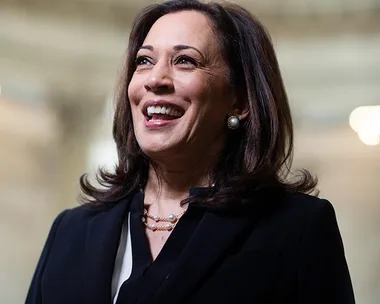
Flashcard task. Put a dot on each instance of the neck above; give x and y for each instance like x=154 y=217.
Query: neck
x=167 y=185
x=172 y=175
x=174 y=183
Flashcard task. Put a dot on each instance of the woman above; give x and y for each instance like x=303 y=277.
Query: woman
x=199 y=209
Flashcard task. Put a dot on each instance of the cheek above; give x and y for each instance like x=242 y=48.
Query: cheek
x=131 y=92
x=191 y=86
x=198 y=90
x=134 y=91
x=215 y=97
x=133 y=97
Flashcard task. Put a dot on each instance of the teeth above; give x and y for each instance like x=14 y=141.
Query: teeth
x=162 y=110
x=151 y=111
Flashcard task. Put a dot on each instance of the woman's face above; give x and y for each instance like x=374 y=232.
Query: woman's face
x=179 y=93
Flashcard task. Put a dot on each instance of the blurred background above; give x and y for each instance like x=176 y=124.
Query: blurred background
x=58 y=66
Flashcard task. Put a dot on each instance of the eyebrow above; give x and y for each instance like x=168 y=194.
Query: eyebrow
x=178 y=47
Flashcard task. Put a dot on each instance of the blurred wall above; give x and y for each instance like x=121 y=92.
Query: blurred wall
x=58 y=65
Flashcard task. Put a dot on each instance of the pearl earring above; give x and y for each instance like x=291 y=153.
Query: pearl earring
x=233 y=122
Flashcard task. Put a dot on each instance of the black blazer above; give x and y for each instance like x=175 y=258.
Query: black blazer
x=288 y=252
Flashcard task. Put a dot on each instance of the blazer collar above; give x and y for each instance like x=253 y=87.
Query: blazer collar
x=218 y=230
x=102 y=241
x=216 y=233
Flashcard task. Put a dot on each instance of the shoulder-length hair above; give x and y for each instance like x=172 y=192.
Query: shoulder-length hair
x=257 y=156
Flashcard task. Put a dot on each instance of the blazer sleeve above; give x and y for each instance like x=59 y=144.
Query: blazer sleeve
x=323 y=273
x=34 y=293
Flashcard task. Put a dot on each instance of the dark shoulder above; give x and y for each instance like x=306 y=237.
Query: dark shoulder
x=298 y=210
x=289 y=219
x=85 y=212
x=304 y=204
x=77 y=218
x=291 y=209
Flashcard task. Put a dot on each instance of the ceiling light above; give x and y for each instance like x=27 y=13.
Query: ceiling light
x=365 y=121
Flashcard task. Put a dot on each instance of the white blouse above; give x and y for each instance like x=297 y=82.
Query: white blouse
x=123 y=261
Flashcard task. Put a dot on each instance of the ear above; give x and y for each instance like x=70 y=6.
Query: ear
x=241 y=113
x=240 y=109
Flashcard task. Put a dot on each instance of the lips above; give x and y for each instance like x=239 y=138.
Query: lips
x=162 y=110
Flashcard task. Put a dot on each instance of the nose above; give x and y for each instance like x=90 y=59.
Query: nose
x=159 y=79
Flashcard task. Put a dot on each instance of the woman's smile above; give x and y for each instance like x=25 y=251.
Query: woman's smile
x=160 y=113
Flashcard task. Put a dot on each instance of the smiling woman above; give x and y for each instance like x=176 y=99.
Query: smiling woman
x=196 y=90
x=200 y=208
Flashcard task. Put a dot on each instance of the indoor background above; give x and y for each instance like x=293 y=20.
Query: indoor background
x=58 y=65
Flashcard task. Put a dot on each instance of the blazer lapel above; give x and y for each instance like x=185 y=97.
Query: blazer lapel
x=102 y=240
x=215 y=234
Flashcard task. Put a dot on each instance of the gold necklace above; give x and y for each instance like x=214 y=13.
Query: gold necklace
x=171 y=220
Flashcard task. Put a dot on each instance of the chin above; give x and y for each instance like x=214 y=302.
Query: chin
x=159 y=149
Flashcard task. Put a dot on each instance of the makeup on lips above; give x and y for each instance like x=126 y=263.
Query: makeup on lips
x=159 y=114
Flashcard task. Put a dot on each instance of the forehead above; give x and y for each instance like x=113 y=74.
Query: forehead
x=185 y=27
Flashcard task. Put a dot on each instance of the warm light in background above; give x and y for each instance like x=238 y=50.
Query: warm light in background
x=365 y=121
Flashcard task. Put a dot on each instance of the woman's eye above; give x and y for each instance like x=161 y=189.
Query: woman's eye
x=142 y=60
x=184 y=60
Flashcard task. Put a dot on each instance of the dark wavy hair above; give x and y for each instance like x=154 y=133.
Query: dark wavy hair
x=257 y=156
